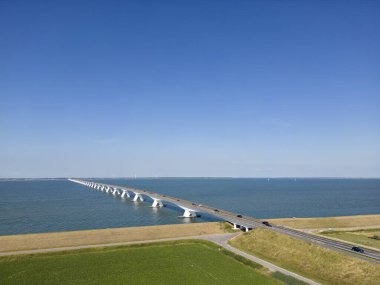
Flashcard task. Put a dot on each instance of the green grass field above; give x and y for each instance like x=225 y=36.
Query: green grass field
x=181 y=262
x=362 y=237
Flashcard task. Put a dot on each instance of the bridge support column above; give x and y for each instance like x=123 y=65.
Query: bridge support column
x=188 y=213
x=125 y=193
x=137 y=197
x=235 y=226
x=108 y=189
x=157 y=203
x=115 y=192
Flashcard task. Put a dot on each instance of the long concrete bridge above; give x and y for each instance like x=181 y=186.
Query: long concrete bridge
x=238 y=221
x=190 y=208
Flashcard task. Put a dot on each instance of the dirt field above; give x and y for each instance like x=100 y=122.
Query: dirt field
x=344 y=222
x=89 y=237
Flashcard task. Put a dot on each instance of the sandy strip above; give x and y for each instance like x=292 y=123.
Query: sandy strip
x=105 y=236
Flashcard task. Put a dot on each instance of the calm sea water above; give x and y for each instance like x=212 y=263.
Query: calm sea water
x=60 y=205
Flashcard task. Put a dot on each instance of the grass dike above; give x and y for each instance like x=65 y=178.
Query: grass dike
x=307 y=259
x=10 y=243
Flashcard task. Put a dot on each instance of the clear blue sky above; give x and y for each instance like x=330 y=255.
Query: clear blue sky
x=189 y=88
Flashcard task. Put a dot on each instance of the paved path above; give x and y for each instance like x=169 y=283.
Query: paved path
x=219 y=239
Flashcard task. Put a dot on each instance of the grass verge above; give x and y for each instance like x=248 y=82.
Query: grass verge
x=370 y=238
x=310 y=260
x=226 y=227
x=330 y=222
x=288 y=280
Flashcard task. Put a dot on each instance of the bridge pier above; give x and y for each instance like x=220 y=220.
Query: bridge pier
x=137 y=197
x=235 y=226
x=125 y=193
x=115 y=191
x=246 y=229
x=188 y=213
x=157 y=203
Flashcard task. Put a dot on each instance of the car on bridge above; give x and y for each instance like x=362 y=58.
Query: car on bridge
x=357 y=249
x=239 y=216
x=266 y=223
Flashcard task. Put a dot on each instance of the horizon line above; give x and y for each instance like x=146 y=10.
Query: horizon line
x=197 y=177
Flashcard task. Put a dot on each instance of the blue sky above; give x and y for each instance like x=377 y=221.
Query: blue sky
x=189 y=88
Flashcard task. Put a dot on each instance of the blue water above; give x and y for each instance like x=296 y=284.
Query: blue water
x=30 y=206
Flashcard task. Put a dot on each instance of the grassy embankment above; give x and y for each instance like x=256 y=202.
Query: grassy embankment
x=310 y=260
x=370 y=238
x=103 y=236
x=347 y=222
x=179 y=262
